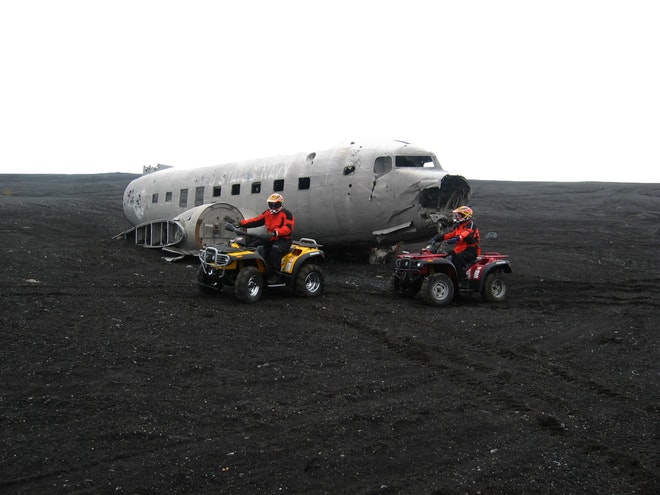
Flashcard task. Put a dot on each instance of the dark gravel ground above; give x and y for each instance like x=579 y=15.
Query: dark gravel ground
x=119 y=377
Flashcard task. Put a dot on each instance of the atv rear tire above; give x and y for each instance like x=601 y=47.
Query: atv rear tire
x=495 y=288
x=310 y=281
x=437 y=290
x=249 y=285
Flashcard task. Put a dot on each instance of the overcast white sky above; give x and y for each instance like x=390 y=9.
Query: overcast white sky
x=561 y=90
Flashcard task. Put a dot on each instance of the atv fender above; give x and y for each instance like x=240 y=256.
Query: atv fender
x=442 y=265
x=254 y=259
x=297 y=263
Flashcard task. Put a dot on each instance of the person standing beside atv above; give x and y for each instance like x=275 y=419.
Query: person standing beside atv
x=465 y=236
x=279 y=222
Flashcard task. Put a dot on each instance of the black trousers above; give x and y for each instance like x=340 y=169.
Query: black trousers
x=461 y=259
x=274 y=252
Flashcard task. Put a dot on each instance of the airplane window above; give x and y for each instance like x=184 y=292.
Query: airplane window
x=216 y=191
x=183 y=197
x=303 y=183
x=256 y=187
x=168 y=197
x=413 y=161
x=278 y=185
x=382 y=165
x=235 y=189
x=199 y=196
x=154 y=198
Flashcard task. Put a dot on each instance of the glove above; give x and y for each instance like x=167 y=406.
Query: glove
x=453 y=240
x=273 y=233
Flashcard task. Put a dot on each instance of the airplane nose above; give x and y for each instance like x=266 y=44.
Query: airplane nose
x=453 y=191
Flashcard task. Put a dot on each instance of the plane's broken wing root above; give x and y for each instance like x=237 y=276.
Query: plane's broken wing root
x=455 y=191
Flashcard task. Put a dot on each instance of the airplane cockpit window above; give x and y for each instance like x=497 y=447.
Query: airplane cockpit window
x=199 y=196
x=154 y=198
x=256 y=187
x=216 y=191
x=183 y=197
x=278 y=185
x=235 y=189
x=415 y=161
x=168 y=197
x=382 y=165
x=303 y=183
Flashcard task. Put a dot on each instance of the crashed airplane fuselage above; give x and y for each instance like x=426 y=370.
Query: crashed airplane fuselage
x=354 y=194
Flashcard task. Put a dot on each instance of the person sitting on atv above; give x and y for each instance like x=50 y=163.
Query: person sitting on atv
x=465 y=236
x=279 y=222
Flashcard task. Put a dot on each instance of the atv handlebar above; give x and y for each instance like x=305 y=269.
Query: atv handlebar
x=233 y=228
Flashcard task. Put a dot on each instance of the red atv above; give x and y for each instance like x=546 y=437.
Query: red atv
x=433 y=276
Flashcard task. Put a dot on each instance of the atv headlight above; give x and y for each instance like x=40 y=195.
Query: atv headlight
x=403 y=263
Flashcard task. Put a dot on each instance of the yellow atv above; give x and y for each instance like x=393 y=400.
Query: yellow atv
x=244 y=268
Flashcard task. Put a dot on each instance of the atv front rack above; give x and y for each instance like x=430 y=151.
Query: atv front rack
x=212 y=255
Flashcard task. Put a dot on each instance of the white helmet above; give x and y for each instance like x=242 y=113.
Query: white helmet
x=275 y=202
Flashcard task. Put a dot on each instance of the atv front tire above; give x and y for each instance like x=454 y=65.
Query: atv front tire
x=249 y=286
x=400 y=289
x=437 y=290
x=310 y=281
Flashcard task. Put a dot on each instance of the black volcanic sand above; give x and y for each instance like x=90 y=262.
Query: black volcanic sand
x=119 y=377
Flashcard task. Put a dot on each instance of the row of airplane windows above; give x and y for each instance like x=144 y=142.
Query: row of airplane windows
x=255 y=188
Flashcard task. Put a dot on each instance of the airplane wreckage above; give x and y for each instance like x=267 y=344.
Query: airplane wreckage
x=356 y=197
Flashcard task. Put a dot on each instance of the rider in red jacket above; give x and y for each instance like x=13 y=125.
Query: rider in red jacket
x=279 y=222
x=465 y=236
